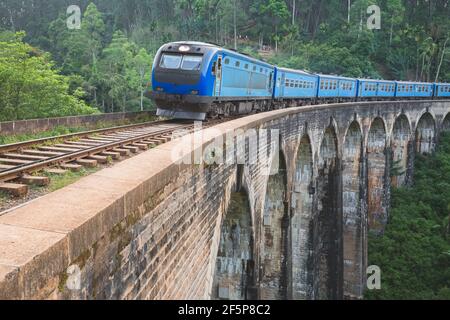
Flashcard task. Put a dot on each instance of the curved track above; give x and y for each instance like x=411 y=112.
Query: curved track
x=86 y=148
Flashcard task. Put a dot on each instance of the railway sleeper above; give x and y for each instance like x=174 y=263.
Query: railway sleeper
x=72 y=167
x=14 y=189
x=100 y=159
x=89 y=163
x=14 y=161
x=55 y=171
x=42 y=153
x=35 y=180
x=24 y=156
x=141 y=146
x=113 y=155
x=131 y=148
x=122 y=152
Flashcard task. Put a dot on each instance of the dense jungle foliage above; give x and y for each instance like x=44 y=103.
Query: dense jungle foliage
x=107 y=62
x=414 y=253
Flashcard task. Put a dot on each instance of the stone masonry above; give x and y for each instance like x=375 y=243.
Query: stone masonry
x=153 y=228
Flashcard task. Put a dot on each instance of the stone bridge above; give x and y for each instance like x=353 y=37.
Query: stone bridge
x=152 y=227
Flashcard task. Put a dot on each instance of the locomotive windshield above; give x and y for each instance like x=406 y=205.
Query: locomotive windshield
x=191 y=63
x=186 y=62
x=171 y=61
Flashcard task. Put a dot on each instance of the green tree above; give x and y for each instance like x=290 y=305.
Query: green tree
x=30 y=85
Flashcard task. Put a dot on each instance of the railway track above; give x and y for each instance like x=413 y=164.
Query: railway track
x=20 y=162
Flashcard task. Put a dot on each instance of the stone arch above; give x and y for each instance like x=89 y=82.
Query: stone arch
x=426 y=134
x=327 y=222
x=446 y=123
x=354 y=231
x=274 y=231
x=235 y=268
x=301 y=222
x=377 y=171
x=400 y=148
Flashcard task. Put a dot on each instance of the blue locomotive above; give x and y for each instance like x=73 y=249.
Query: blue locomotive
x=195 y=80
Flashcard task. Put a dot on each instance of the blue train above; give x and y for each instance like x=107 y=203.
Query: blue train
x=195 y=80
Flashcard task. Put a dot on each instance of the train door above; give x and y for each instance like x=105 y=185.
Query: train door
x=271 y=83
x=218 y=82
x=283 y=84
x=250 y=75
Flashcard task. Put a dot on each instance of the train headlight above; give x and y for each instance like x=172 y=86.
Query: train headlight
x=184 y=48
x=194 y=92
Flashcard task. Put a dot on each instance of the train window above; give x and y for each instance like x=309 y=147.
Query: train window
x=237 y=64
x=246 y=66
x=227 y=61
x=261 y=70
x=191 y=62
x=292 y=83
x=170 y=61
x=287 y=82
x=254 y=68
x=321 y=85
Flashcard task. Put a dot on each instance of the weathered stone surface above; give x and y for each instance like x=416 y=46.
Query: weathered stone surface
x=152 y=228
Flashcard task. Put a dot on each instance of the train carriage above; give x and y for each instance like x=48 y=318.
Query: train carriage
x=409 y=90
x=192 y=80
x=336 y=88
x=371 y=89
x=295 y=84
x=195 y=80
x=442 y=90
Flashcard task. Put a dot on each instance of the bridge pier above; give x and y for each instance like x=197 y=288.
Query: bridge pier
x=301 y=223
x=354 y=231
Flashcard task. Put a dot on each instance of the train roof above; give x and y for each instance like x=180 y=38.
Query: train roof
x=219 y=48
x=375 y=80
x=414 y=82
x=335 y=77
x=302 y=72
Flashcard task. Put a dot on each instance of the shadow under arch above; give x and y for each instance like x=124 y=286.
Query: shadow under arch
x=327 y=222
x=301 y=223
x=446 y=123
x=274 y=232
x=354 y=224
x=426 y=134
x=377 y=187
x=234 y=276
x=401 y=146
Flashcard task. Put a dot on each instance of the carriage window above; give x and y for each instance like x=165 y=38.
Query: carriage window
x=237 y=64
x=170 y=61
x=246 y=66
x=227 y=61
x=191 y=62
x=287 y=82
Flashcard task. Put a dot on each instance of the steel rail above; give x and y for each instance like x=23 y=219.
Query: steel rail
x=20 y=145
x=17 y=171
